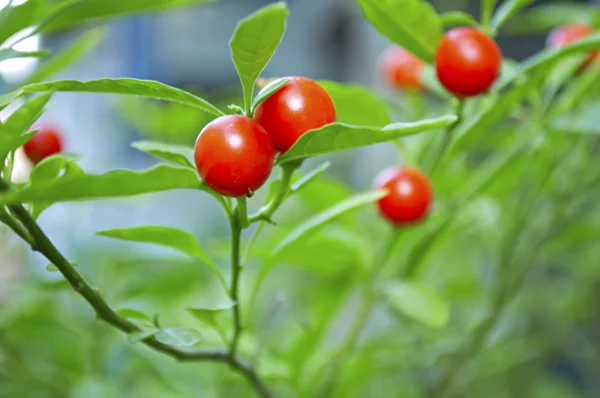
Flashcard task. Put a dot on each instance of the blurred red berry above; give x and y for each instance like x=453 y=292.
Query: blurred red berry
x=401 y=69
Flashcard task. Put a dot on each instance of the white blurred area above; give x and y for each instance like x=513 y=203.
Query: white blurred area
x=17 y=69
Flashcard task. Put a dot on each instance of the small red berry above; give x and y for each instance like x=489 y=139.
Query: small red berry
x=298 y=106
x=401 y=69
x=409 y=195
x=467 y=61
x=234 y=155
x=570 y=33
x=46 y=142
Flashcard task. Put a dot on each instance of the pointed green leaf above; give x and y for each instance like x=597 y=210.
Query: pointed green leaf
x=254 y=42
x=507 y=10
x=178 y=336
x=413 y=24
x=309 y=177
x=457 y=18
x=116 y=183
x=209 y=315
x=419 y=302
x=67 y=57
x=13 y=133
x=174 y=238
x=10 y=53
x=339 y=137
x=356 y=105
x=126 y=86
x=267 y=91
x=94 y=11
x=179 y=154
x=487 y=9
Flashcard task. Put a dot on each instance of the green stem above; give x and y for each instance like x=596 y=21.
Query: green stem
x=13 y=224
x=446 y=139
x=267 y=211
x=42 y=244
x=236 y=267
x=242 y=212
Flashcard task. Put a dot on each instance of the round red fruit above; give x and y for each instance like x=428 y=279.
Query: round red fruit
x=467 y=61
x=46 y=142
x=409 y=195
x=571 y=33
x=234 y=155
x=401 y=69
x=298 y=106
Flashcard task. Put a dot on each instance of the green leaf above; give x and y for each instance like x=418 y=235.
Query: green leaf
x=268 y=90
x=413 y=24
x=339 y=137
x=140 y=335
x=8 y=98
x=209 y=316
x=130 y=313
x=309 y=177
x=13 y=133
x=487 y=9
x=116 y=183
x=93 y=11
x=178 y=154
x=67 y=57
x=254 y=42
x=419 y=302
x=546 y=17
x=507 y=10
x=356 y=105
x=576 y=92
x=126 y=86
x=9 y=53
x=178 y=336
x=323 y=218
x=457 y=18
x=173 y=238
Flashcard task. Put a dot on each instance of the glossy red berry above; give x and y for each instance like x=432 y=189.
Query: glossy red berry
x=401 y=69
x=298 y=106
x=234 y=155
x=46 y=142
x=570 y=33
x=409 y=195
x=467 y=61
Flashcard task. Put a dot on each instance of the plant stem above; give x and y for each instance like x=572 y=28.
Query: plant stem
x=236 y=267
x=242 y=212
x=267 y=211
x=446 y=139
x=13 y=224
x=41 y=243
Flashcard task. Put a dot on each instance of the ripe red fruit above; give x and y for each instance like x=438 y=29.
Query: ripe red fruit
x=298 y=106
x=467 y=61
x=401 y=69
x=46 y=142
x=409 y=195
x=234 y=155
x=570 y=33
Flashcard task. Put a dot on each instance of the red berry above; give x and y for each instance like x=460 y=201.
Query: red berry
x=298 y=106
x=409 y=195
x=401 y=69
x=234 y=155
x=46 y=142
x=467 y=61
x=570 y=33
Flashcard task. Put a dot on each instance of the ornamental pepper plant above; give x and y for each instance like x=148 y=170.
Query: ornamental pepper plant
x=463 y=265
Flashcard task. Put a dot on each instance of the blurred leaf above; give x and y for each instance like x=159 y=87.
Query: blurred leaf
x=208 y=316
x=130 y=313
x=254 y=42
x=321 y=219
x=430 y=80
x=114 y=183
x=419 y=302
x=487 y=9
x=179 y=154
x=413 y=24
x=126 y=86
x=8 y=98
x=10 y=53
x=69 y=56
x=178 y=336
x=339 y=137
x=457 y=18
x=309 y=177
x=140 y=335
x=88 y=11
x=575 y=92
x=356 y=105
x=13 y=131
x=268 y=90
x=174 y=238
x=546 y=17
x=30 y=13
x=506 y=11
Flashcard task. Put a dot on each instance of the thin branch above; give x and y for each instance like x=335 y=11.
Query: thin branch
x=267 y=211
x=236 y=268
x=446 y=139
